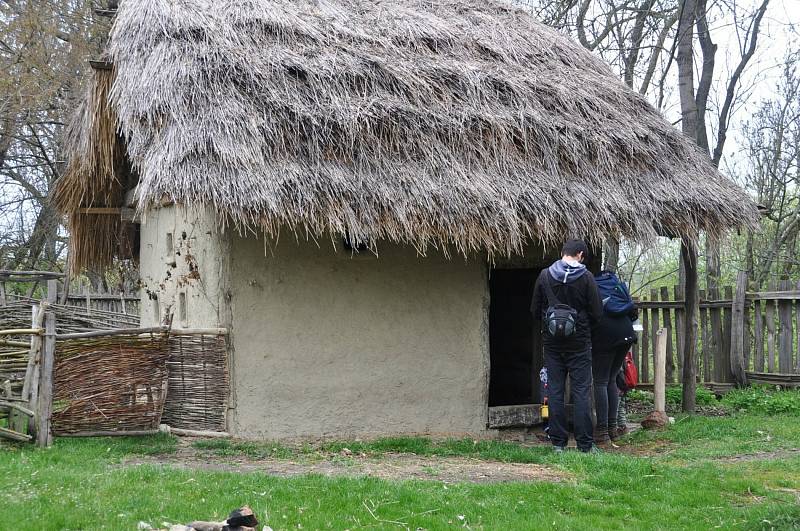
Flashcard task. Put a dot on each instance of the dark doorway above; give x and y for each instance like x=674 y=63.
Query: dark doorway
x=513 y=343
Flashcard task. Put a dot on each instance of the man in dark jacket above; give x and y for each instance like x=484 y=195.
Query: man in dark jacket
x=572 y=355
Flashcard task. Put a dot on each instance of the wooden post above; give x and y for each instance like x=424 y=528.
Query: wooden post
x=122 y=301
x=44 y=437
x=737 y=330
x=758 y=336
x=666 y=315
x=88 y=299
x=660 y=380
x=658 y=418
x=690 y=307
x=786 y=338
x=2 y=293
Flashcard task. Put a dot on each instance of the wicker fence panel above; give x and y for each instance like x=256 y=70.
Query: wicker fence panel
x=110 y=383
x=197 y=394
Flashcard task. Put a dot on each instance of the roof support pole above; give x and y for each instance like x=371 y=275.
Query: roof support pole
x=690 y=298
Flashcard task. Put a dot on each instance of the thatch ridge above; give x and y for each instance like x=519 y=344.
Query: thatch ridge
x=462 y=123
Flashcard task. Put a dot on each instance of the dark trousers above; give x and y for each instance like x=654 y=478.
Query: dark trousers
x=578 y=366
x=605 y=366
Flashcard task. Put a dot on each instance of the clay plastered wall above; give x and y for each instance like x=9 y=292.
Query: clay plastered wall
x=327 y=345
x=183 y=268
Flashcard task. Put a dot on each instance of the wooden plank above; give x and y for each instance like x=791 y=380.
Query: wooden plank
x=10 y=274
x=704 y=339
x=117 y=332
x=758 y=336
x=748 y=335
x=774 y=378
x=99 y=210
x=660 y=387
x=14 y=436
x=769 y=314
x=717 y=303
x=797 y=330
x=776 y=295
x=515 y=416
x=727 y=323
x=44 y=437
x=666 y=316
x=786 y=334
x=22 y=332
x=655 y=317
x=737 y=331
x=680 y=332
x=644 y=341
x=131 y=433
x=720 y=361
x=103 y=297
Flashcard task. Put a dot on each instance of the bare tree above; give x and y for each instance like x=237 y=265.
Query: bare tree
x=44 y=47
x=772 y=171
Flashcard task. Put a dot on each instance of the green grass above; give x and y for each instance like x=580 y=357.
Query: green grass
x=683 y=484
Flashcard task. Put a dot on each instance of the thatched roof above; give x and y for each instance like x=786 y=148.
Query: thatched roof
x=459 y=123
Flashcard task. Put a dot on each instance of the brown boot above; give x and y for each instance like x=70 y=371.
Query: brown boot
x=601 y=436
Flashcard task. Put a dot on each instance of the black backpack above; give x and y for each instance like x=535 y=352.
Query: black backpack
x=560 y=320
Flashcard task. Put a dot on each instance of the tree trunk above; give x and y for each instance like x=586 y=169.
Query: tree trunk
x=691 y=298
x=611 y=254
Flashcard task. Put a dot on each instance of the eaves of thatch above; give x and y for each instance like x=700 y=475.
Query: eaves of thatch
x=450 y=123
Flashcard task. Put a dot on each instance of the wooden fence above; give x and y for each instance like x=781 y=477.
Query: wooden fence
x=742 y=336
x=118 y=303
x=68 y=371
x=105 y=302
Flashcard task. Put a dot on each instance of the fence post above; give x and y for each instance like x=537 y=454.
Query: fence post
x=44 y=404
x=737 y=330
x=786 y=337
x=660 y=380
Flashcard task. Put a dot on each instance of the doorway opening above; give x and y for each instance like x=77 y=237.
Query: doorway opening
x=514 y=342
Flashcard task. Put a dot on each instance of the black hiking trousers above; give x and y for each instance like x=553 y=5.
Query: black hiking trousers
x=578 y=365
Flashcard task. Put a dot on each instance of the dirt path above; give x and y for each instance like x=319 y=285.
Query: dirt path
x=385 y=466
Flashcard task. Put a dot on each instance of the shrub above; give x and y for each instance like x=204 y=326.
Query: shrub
x=764 y=399
x=703 y=397
x=637 y=395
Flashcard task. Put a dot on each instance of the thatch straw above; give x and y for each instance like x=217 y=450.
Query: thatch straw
x=93 y=176
x=461 y=123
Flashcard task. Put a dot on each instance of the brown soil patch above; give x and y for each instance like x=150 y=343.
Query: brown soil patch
x=386 y=466
x=776 y=454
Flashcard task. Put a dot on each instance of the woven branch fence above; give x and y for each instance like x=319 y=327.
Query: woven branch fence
x=109 y=383
x=197 y=393
x=120 y=380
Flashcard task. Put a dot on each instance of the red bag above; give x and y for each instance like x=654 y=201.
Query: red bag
x=630 y=371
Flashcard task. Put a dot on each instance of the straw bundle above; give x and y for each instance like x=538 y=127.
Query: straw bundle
x=111 y=383
x=197 y=395
x=457 y=122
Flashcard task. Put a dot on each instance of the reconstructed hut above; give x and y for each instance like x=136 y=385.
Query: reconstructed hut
x=362 y=192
